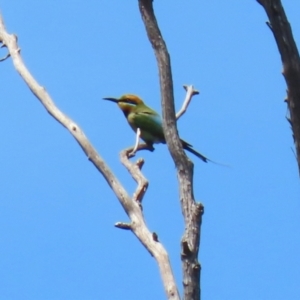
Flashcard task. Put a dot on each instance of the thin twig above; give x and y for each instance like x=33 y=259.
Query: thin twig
x=190 y=92
x=123 y=225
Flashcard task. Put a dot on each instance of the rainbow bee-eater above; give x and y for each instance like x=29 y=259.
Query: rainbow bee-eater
x=141 y=116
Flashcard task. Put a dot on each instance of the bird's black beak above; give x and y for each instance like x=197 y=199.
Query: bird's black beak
x=111 y=99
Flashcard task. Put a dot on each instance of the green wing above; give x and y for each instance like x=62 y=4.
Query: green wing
x=149 y=122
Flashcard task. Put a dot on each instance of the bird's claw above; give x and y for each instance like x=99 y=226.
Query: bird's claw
x=131 y=154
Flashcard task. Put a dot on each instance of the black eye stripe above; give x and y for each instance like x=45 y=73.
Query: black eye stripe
x=129 y=101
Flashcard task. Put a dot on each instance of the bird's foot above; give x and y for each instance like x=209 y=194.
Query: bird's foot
x=132 y=153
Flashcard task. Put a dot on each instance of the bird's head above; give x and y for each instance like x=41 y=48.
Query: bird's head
x=127 y=102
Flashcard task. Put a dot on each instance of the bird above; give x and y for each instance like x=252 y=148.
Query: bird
x=141 y=116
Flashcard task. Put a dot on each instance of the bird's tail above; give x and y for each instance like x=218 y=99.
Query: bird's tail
x=189 y=148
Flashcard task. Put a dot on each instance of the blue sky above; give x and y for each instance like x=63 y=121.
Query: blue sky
x=57 y=239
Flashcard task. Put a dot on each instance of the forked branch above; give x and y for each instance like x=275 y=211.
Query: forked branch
x=135 y=170
x=131 y=206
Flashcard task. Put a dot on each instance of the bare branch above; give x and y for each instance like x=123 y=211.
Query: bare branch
x=123 y=225
x=281 y=29
x=40 y=92
x=190 y=92
x=135 y=171
x=192 y=219
x=132 y=208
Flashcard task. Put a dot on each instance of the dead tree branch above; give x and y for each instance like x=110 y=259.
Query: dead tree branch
x=190 y=92
x=281 y=29
x=131 y=206
x=135 y=171
x=191 y=210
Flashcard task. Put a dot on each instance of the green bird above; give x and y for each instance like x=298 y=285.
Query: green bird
x=141 y=116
